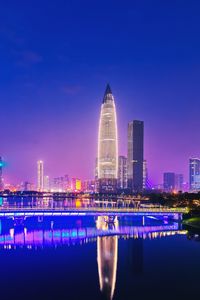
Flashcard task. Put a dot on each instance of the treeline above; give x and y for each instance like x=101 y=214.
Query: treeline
x=191 y=200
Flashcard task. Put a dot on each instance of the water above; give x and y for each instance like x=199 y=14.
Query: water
x=87 y=258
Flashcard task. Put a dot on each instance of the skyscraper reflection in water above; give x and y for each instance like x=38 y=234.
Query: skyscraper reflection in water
x=107 y=255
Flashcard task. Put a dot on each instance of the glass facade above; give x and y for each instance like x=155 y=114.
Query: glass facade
x=194 y=174
x=108 y=139
x=135 y=155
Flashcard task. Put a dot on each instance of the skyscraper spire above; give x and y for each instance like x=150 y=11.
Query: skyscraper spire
x=107 y=93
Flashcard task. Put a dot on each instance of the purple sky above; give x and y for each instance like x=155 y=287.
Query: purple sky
x=55 y=61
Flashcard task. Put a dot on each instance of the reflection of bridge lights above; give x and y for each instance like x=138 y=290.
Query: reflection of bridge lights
x=78 y=203
x=12 y=232
x=74 y=234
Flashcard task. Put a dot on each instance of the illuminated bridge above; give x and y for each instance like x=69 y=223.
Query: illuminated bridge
x=173 y=213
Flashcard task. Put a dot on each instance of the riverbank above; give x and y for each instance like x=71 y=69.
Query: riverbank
x=193 y=222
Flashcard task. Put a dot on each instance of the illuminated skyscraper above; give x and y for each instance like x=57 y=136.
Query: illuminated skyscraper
x=108 y=144
x=1 y=174
x=194 y=174
x=40 y=175
x=135 y=155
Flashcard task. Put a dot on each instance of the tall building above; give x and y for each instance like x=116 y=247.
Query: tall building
x=194 y=174
x=179 y=182
x=40 y=175
x=169 y=182
x=1 y=174
x=122 y=172
x=108 y=144
x=46 y=183
x=145 y=175
x=135 y=155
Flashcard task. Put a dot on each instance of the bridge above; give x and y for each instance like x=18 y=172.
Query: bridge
x=173 y=213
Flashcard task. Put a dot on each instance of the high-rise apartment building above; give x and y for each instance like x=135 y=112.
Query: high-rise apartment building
x=122 y=172
x=135 y=156
x=179 y=182
x=40 y=175
x=169 y=182
x=194 y=174
x=107 y=144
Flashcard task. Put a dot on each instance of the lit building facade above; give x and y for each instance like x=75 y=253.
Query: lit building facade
x=194 y=174
x=60 y=184
x=27 y=186
x=122 y=172
x=46 y=183
x=40 y=175
x=78 y=185
x=169 y=182
x=145 y=175
x=135 y=156
x=1 y=174
x=107 y=162
x=89 y=186
x=179 y=182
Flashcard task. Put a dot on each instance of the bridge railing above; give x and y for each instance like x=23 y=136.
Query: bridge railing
x=97 y=209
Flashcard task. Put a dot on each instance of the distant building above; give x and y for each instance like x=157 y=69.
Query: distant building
x=169 y=182
x=194 y=174
x=57 y=184
x=27 y=186
x=61 y=184
x=179 y=182
x=78 y=185
x=145 y=175
x=1 y=174
x=46 y=183
x=135 y=155
x=67 y=185
x=122 y=173
x=89 y=186
x=40 y=175
x=73 y=184
x=108 y=144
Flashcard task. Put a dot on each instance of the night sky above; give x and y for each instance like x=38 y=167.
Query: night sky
x=56 y=58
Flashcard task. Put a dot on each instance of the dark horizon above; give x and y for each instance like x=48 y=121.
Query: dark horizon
x=56 y=59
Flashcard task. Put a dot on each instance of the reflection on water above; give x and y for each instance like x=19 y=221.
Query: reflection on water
x=107 y=255
x=43 y=232
x=36 y=232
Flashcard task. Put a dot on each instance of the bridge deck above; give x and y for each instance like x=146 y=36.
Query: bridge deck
x=5 y=212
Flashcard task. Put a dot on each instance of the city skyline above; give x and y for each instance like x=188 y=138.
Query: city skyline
x=99 y=149
x=50 y=89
